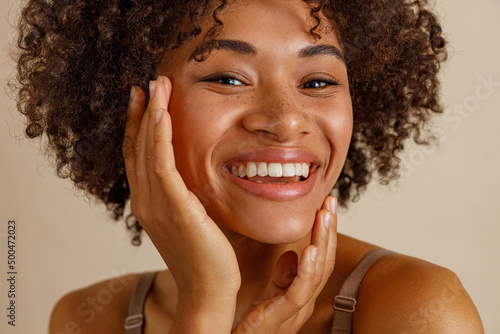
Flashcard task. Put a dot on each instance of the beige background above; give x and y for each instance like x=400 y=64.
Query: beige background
x=446 y=209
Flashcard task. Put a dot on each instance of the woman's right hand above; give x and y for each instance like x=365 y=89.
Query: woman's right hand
x=199 y=256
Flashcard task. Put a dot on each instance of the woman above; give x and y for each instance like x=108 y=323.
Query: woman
x=258 y=109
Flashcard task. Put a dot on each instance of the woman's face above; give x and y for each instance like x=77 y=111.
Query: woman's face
x=271 y=99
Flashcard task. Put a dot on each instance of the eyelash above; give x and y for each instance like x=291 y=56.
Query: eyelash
x=222 y=76
x=227 y=76
x=328 y=82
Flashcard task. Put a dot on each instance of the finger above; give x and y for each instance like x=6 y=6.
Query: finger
x=295 y=305
x=273 y=312
x=298 y=300
x=321 y=239
x=332 y=242
x=298 y=294
x=330 y=203
x=140 y=146
x=135 y=111
x=308 y=284
x=161 y=158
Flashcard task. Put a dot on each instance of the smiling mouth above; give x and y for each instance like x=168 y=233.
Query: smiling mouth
x=274 y=172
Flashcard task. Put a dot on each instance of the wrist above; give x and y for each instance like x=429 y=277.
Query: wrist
x=198 y=293
x=202 y=314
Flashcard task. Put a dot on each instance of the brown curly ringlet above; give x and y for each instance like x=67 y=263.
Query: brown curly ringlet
x=79 y=58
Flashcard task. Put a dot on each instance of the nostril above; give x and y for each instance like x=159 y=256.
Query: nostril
x=278 y=120
x=266 y=134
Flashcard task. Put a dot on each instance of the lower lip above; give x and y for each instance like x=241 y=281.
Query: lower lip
x=277 y=191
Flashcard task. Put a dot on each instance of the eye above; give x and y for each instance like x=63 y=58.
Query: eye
x=319 y=83
x=224 y=79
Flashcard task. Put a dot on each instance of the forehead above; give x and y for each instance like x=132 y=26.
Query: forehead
x=276 y=18
x=283 y=14
x=267 y=25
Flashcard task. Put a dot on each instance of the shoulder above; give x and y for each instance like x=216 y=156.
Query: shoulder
x=101 y=307
x=402 y=294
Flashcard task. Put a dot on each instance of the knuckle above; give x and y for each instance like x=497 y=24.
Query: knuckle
x=135 y=208
x=297 y=302
x=128 y=120
x=127 y=147
x=138 y=145
x=309 y=311
x=304 y=315
x=159 y=170
x=307 y=274
x=149 y=155
x=131 y=122
x=130 y=169
x=317 y=279
x=246 y=328
x=162 y=138
x=255 y=320
x=330 y=266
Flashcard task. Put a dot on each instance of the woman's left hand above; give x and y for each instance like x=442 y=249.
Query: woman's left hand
x=289 y=304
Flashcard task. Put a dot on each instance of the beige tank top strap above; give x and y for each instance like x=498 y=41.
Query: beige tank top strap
x=135 y=319
x=345 y=301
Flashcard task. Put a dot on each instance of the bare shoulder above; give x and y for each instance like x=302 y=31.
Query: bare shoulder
x=403 y=294
x=99 y=308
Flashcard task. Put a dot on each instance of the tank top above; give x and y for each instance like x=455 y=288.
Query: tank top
x=344 y=303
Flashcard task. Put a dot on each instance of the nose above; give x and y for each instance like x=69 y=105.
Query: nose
x=277 y=116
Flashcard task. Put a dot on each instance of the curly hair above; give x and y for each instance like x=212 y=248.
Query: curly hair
x=79 y=58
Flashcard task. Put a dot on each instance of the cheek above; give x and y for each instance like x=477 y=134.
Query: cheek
x=187 y=130
x=199 y=125
x=343 y=123
x=340 y=130
x=336 y=123
x=200 y=116
x=192 y=123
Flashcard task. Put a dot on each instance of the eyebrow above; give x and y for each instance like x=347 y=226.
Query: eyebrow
x=245 y=48
x=225 y=44
x=321 y=49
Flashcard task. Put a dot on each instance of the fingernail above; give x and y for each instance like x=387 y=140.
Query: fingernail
x=327 y=220
x=158 y=114
x=313 y=254
x=164 y=82
x=152 y=89
x=333 y=204
x=132 y=93
x=160 y=78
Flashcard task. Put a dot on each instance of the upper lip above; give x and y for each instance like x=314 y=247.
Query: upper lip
x=275 y=155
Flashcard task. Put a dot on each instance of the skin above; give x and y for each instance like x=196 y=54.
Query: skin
x=240 y=262
x=266 y=108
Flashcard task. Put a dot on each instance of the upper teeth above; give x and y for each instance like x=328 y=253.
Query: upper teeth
x=272 y=169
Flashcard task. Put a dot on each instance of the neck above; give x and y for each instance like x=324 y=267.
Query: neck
x=257 y=263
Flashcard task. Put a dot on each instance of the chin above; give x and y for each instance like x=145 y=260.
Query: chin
x=270 y=227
